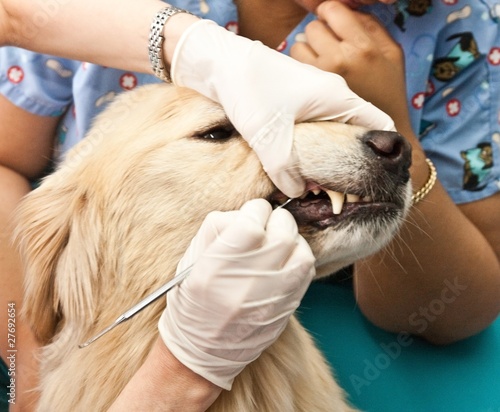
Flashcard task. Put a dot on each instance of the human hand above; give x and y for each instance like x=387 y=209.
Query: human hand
x=251 y=270
x=264 y=93
x=356 y=46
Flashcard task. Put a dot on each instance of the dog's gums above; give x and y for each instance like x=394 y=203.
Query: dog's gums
x=323 y=208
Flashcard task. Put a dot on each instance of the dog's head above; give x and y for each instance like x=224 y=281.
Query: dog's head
x=129 y=198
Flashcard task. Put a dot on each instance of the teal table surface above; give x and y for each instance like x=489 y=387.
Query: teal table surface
x=384 y=372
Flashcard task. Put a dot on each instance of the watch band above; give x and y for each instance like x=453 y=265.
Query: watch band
x=155 y=47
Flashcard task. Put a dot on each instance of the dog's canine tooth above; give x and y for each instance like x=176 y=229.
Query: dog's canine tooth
x=337 y=200
x=352 y=198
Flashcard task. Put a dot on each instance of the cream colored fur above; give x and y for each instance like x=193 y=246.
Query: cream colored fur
x=109 y=226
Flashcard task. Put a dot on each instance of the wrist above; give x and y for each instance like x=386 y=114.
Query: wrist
x=159 y=63
x=423 y=172
x=165 y=383
x=196 y=389
x=420 y=169
x=173 y=31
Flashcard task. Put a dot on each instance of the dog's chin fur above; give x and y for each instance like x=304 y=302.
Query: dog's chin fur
x=109 y=226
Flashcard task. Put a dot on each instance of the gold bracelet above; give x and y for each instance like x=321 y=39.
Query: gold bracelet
x=425 y=189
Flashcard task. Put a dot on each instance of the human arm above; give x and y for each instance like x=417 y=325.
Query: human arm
x=445 y=260
x=250 y=270
x=25 y=148
x=215 y=62
x=164 y=384
x=112 y=33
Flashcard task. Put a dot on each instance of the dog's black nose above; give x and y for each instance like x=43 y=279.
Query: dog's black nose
x=391 y=149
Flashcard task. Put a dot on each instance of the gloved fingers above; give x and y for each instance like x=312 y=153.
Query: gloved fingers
x=223 y=227
x=281 y=239
x=281 y=220
x=288 y=281
x=362 y=113
x=351 y=109
x=254 y=212
x=267 y=263
x=299 y=270
x=289 y=181
x=247 y=254
x=257 y=209
x=246 y=232
x=211 y=227
x=235 y=252
x=273 y=144
x=288 y=178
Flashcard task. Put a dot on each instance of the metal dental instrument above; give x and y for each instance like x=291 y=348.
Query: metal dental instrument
x=284 y=204
x=134 y=310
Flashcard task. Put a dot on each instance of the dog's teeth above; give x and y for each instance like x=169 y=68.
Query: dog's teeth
x=352 y=198
x=337 y=200
x=316 y=191
x=367 y=199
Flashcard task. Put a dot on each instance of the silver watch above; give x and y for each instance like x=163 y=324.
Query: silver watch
x=156 y=38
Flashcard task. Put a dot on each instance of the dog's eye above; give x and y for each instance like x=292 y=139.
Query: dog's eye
x=217 y=134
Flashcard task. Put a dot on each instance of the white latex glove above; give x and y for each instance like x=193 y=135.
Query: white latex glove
x=264 y=93
x=251 y=270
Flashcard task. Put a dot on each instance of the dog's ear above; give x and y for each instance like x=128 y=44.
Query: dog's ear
x=58 y=237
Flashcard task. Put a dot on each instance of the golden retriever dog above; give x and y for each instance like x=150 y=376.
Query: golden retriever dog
x=109 y=226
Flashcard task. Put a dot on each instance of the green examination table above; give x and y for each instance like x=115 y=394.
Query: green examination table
x=384 y=372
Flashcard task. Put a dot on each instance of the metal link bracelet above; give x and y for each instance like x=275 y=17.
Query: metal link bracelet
x=155 y=47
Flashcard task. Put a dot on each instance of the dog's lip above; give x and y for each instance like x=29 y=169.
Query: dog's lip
x=322 y=217
x=317 y=211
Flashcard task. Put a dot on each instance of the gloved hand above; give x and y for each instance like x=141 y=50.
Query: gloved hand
x=264 y=93
x=251 y=270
